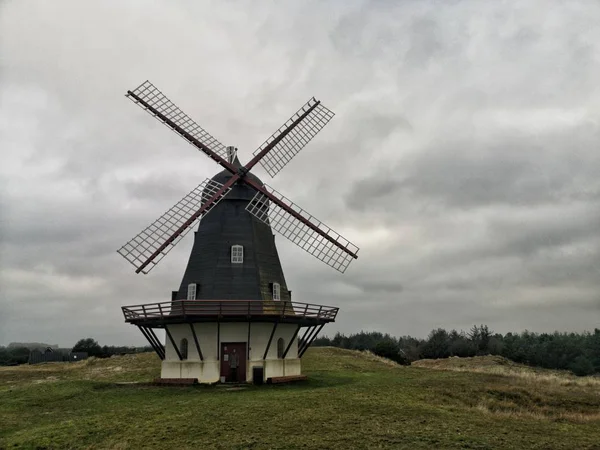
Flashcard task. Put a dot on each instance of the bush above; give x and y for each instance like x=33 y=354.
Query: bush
x=390 y=350
x=90 y=346
x=13 y=356
x=582 y=366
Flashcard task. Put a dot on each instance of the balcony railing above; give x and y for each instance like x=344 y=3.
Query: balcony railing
x=228 y=308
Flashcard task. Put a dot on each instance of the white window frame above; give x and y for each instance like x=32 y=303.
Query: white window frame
x=192 y=291
x=237 y=254
x=276 y=292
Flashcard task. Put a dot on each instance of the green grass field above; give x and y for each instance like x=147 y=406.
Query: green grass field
x=352 y=400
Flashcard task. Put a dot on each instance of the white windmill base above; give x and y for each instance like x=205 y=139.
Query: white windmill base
x=216 y=343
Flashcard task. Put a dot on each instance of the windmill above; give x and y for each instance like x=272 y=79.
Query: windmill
x=234 y=280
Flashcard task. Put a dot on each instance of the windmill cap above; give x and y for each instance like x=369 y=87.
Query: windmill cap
x=239 y=191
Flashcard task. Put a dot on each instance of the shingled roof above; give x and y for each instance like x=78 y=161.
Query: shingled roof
x=210 y=266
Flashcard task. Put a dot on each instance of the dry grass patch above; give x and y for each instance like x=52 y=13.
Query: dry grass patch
x=367 y=354
x=513 y=411
x=517 y=391
x=118 y=368
x=497 y=365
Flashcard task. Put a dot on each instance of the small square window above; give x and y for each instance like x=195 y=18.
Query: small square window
x=237 y=254
x=276 y=292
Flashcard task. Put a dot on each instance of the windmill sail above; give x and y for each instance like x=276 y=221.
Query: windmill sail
x=150 y=98
x=334 y=250
x=288 y=147
x=144 y=250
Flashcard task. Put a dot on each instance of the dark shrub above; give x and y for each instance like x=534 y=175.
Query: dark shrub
x=390 y=350
x=582 y=366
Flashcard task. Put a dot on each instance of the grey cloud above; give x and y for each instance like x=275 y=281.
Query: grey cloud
x=424 y=42
x=518 y=170
x=370 y=286
x=158 y=187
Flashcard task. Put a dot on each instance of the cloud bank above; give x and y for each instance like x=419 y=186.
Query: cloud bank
x=463 y=158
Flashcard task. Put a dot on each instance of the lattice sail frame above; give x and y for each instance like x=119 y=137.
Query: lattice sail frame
x=299 y=233
x=157 y=100
x=141 y=247
x=295 y=140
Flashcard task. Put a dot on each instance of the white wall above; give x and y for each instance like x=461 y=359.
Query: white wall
x=208 y=371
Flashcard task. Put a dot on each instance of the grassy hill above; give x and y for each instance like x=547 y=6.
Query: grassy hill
x=352 y=400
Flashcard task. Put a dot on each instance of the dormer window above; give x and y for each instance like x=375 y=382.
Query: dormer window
x=191 y=293
x=237 y=254
x=276 y=292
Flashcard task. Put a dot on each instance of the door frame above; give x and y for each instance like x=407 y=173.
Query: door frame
x=242 y=369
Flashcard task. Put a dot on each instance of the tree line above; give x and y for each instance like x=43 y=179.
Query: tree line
x=92 y=348
x=577 y=352
x=14 y=355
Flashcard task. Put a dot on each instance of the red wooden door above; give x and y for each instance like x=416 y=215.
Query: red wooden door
x=233 y=354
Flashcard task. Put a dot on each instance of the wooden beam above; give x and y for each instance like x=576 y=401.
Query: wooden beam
x=307 y=342
x=187 y=136
x=222 y=191
x=291 y=342
x=196 y=341
x=309 y=329
x=270 y=339
x=152 y=343
x=219 y=343
x=248 y=343
x=286 y=379
x=283 y=134
x=311 y=341
x=150 y=331
x=295 y=214
x=173 y=343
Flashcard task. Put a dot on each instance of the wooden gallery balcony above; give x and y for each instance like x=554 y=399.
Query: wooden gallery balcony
x=156 y=315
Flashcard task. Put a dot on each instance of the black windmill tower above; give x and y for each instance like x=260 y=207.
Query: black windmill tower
x=234 y=272
x=234 y=255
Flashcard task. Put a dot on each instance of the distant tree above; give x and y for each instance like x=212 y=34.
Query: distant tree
x=88 y=345
x=390 y=350
x=322 y=341
x=593 y=349
x=437 y=345
x=110 y=350
x=495 y=344
x=13 y=356
x=340 y=340
x=410 y=346
x=582 y=366
x=460 y=345
x=480 y=336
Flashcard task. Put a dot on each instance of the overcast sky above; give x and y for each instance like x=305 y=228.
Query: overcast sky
x=463 y=159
